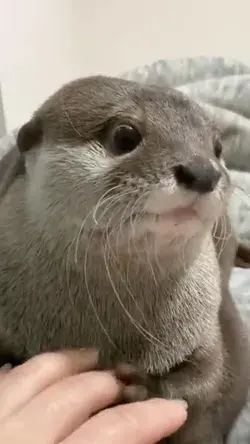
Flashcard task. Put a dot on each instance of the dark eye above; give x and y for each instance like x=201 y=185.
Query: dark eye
x=218 y=149
x=125 y=139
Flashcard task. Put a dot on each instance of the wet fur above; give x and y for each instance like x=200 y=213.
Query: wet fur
x=71 y=273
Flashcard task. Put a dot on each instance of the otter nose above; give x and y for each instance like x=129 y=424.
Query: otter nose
x=197 y=176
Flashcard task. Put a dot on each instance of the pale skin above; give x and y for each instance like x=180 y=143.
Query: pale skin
x=61 y=398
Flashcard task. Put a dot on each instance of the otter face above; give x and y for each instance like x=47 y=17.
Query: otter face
x=123 y=159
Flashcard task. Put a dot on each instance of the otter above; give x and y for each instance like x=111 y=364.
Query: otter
x=114 y=233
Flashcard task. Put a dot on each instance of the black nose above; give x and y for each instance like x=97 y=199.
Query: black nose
x=197 y=176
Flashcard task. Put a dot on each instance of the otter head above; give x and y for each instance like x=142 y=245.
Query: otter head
x=127 y=164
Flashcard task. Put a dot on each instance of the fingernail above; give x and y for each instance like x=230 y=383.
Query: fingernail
x=178 y=403
x=92 y=351
x=89 y=357
x=171 y=402
x=5 y=368
x=85 y=356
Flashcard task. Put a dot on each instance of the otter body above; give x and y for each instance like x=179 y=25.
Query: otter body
x=106 y=239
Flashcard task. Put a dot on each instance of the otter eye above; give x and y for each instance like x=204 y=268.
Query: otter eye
x=125 y=139
x=217 y=149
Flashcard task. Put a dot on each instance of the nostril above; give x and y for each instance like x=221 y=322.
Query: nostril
x=197 y=176
x=184 y=175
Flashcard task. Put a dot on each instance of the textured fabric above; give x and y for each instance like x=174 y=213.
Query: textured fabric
x=240 y=281
x=221 y=86
x=181 y=71
x=240 y=288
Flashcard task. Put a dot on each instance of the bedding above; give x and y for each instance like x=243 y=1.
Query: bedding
x=222 y=88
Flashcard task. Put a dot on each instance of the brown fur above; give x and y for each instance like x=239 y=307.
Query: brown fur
x=144 y=291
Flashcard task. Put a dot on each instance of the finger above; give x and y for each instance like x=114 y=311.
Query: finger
x=24 y=382
x=144 y=422
x=4 y=369
x=63 y=407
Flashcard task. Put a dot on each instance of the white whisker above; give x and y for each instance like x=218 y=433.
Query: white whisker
x=91 y=300
x=102 y=201
x=147 y=335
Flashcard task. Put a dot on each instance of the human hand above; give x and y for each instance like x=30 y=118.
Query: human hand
x=62 y=398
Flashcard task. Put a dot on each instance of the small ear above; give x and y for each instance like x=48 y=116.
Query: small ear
x=29 y=135
x=242 y=258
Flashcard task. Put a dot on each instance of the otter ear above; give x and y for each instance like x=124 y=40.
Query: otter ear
x=29 y=135
x=242 y=258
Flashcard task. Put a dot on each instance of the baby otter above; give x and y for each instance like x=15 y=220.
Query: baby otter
x=108 y=238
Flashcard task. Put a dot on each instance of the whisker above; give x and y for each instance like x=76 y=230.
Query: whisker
x=119 y=197
x=129 y=290
x=150 y=264
x=182 y=248
x=157 y=261
x=91 y=300
x=122 y=220
x=125 y=284
x=102 y=202
x=147 y=335
x=83 y=224
x=134 y=221
x=67 y=271
x=239 y=188
x=225 y=238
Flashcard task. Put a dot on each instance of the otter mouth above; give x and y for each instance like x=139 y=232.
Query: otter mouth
x=177 y=215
